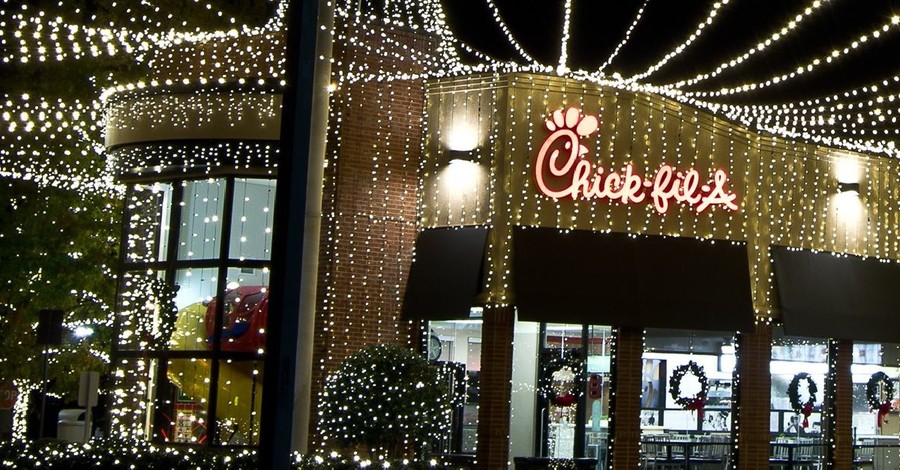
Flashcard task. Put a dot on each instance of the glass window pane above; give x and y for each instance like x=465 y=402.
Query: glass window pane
x=244 y=321
x=456 y=345
x=799 y=367
x=201 y=224
x=132 y=396
x=251 y=224
x=239 y=402
x=148 y=209
x=876 y=421
x=183 y=401
x=596 y=437
x=194 y=324
x=676 y=422
x=561 y=369
x=142 y=296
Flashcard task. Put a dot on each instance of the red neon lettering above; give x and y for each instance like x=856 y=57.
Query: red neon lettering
x=561 y=171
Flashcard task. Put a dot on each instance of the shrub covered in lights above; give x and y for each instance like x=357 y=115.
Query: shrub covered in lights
x=384 y=400
x=117 y=454
x=120 y=454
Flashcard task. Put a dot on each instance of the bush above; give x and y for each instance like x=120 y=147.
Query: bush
x=115 y=454
x=386 y=399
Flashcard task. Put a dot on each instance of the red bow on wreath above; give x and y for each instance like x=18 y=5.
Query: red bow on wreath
x=696 y=404
x=883 y=410
x=564 y=400
x=806 y=410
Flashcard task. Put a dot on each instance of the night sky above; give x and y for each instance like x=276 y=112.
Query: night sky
x=598 y=26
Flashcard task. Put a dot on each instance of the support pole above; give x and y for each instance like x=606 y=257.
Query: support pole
x=287 y=241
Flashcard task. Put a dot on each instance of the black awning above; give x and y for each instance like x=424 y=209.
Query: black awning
x=837 y=296
x=637 y=281
x=446 y=275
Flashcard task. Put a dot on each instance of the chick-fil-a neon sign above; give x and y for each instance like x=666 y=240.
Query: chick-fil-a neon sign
x=561 y=171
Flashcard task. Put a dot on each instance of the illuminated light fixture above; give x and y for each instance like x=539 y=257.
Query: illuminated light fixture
x=83 y=331
x=851 y=188
x=454 y=156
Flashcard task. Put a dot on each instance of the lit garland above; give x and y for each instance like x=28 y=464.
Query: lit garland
x=879 y=385
x=805 y=408
x=562 y=379
x=698 y=400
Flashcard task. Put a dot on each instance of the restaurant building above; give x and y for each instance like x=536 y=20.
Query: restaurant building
x=609 y=274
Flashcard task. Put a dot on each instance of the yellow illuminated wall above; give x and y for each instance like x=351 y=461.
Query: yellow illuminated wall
x=787 y=190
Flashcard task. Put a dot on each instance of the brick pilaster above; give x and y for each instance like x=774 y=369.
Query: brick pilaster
x=494 y=396
x=839 y=405
x=754 y=397
x=625 y=403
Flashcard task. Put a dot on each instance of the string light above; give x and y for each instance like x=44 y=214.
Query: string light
x=810 y=66
x=777 y=36
x=226 y=80
x=683 y=46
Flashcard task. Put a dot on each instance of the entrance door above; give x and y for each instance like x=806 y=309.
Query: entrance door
x=573 y=375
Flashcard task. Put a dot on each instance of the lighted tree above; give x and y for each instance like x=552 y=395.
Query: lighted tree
x=384 y=400
x=59 y=219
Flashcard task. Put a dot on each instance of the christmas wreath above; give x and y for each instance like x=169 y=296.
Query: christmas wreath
x=873 y=394
x=562 y=379
x=794 y=395
x=696 y=402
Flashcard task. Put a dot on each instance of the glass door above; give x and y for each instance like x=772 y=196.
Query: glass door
x=573 y=380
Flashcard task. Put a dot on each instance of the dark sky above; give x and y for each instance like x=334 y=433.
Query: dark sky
x=598 y=26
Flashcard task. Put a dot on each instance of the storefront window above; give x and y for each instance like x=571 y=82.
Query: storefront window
x=184 y=394
x=201 y=219
x=174 y=368
x=799 y=367
x=239 y=402
x=561 y=382
x=686 y=397
x=251 y=227
x=455 y=345
x=143 y=296
x=597 y=393
x=876 y=420
x=560 y=392
x=148 y=212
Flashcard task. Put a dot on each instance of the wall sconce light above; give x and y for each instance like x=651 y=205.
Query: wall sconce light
x=852 y=188
x=460 y=156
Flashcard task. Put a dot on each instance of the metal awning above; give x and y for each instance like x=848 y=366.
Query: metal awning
x=447 y=274
x=838 y=296
x=636 y=281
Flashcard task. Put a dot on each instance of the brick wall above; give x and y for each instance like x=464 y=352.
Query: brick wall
x=370 y=199
x=625 y=402
x=495 y=377
x=839 y=428
x=752 y=421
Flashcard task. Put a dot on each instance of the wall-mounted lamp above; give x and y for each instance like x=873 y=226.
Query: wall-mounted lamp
x=848 y=188
x=460 y=156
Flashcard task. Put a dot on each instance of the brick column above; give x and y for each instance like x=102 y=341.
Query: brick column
x=494 y=395
x=625 y=401
x=753 y=397
x=839 y=405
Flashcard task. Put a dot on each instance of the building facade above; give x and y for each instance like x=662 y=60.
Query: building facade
x=609 y=274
